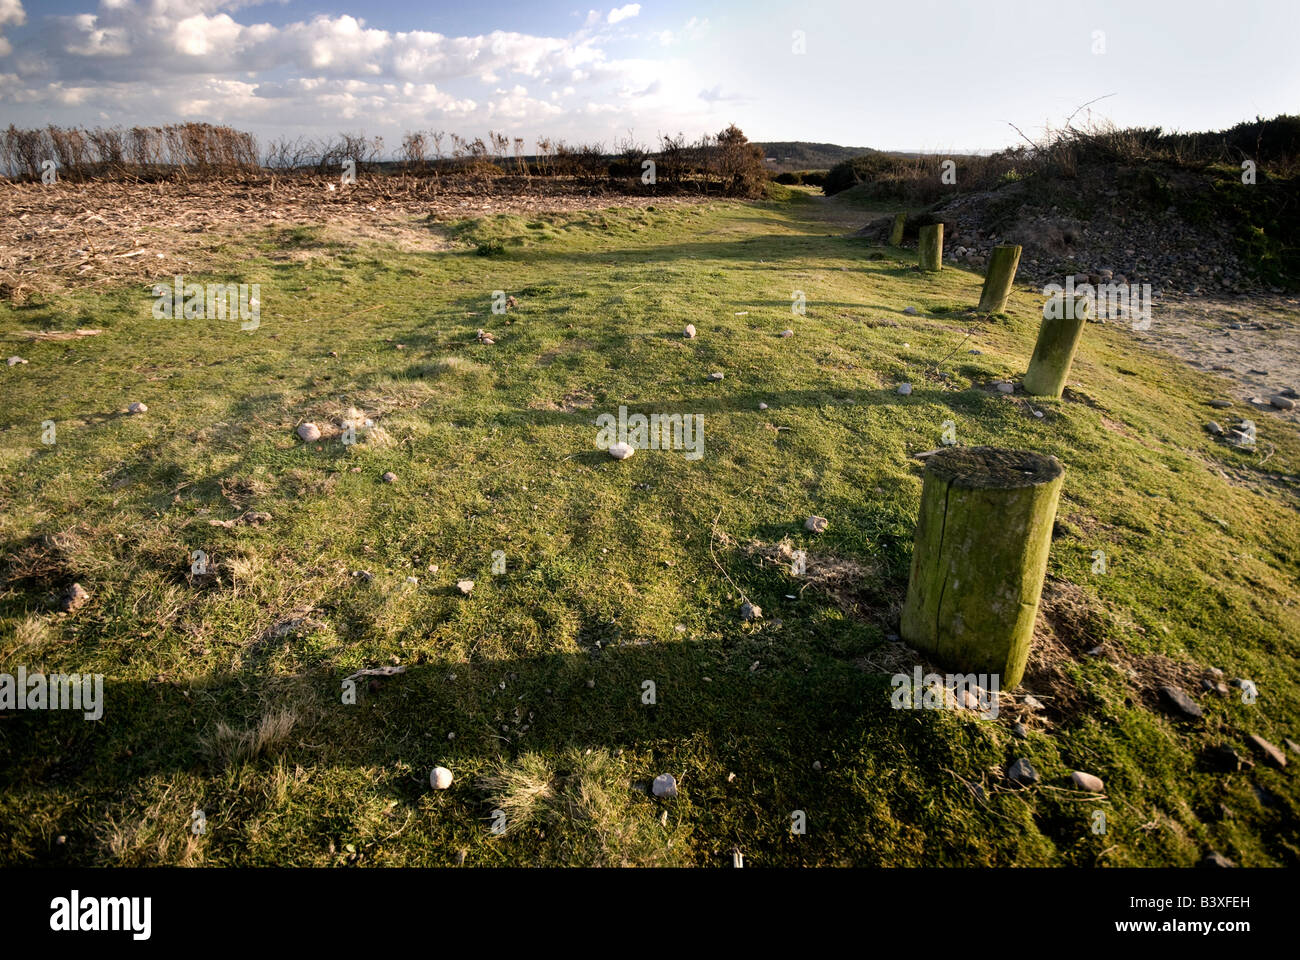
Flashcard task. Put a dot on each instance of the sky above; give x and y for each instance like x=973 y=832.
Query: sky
x=932 y=75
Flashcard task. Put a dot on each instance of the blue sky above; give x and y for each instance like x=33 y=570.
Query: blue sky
x=941 y=75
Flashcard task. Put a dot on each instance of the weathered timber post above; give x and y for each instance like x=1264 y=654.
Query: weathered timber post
x=1057 y=339
x=980 y=556
x=896 y=231
x=1001 y=273
x=929 y=247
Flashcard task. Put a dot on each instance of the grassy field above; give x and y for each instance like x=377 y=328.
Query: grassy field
x=224 y=691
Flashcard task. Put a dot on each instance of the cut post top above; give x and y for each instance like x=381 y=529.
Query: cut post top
x=984 y=468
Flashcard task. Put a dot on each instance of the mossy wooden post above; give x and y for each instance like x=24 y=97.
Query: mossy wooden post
x=1057 y=338
x=980 y=557
x=929 y=246
x=1001 y=273
x=896 y=231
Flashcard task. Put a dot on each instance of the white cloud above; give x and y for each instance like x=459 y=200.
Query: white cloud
x=623 y=13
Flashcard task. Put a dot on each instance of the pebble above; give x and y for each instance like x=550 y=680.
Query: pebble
x=817 y=765
x=389 y=477
x=1020 y=731
x=905 y=388
x=136 y=407
x=1022 y=772
x=620 y=451
x=465 y=586
x=1214 y=428
x=1282 y=403
x=1004 y=386
x=762 y=406
x=440 y=778
x=75 y=597
x=1032 y=702
x=787 y=333
x=750 y=611
x=689 y=332
x=1214 y=686
x=665 y=785
x=1291 y=745
x=1086 y=781
x=14 y=361
x=1272 y=754
x=308 y=432
x=911 y=311
x=1215 y=859
x=976 y=352
x=1221 y=404
x=816 y=524
x=1180 y=702
x=716 y=376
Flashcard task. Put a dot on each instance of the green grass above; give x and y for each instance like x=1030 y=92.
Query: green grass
x=611 y=577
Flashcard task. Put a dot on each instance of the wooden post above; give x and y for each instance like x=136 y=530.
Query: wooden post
x=1057 y=339
x=896 y=231
x=929 y=247
x=1001 y=273
x=980 y=556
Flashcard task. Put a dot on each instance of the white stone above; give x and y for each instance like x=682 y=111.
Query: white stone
x=390 y=477
x=762 y=406
x=440 y=778
x=1086 y=781
x=1005 y=387
x=689 y=332
x=14 y=361
x=137 y=407
x=905 y=389
x=621 y=451
x=787 y=333
x=816 y=524
x=665 y=785
x=465 y=586
x=308 y=432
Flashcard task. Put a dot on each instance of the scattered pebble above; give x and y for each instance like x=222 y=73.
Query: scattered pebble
x=750 y=611
x=976 y=352
x=911 y=311
x=1214 y=428
x=591 y=684
x=816 y=524
x=1291 y=745
x=1086 y=781
x=1271 y=753
x=1032 y=702
x=1221 y=404
x=817 y=765
x=365 y=575
x=74 y=598
x=716 y=376
x=620 y=451
x=14 y=361
x=1181 y=703
x=1020 y=731
x=762 y=406
x=1004 y=387
x=905 y=388
x=136 y=407
x=389 y=477
x=440 y=778
x=308 y=432
x=1215 y=859
x=465 y=586
x=689 y=332
x=1022 y=772
x=1282 y=403
x=787 y=333
x=665 y=785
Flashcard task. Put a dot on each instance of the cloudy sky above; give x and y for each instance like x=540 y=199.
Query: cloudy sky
x=904 y=74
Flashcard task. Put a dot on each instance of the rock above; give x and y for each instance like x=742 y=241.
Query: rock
x=787 y=333
x=1215 y=687
x=689 y=332
x=1004 y=387
x=750 y=611
x=911 y=311
x=762 y=406
x=1291 y=745
x=1225 y=757
x=905 y=388
x=1214 y=859
x=1032 y=702
x=665 y=786
x=14 y=361
x=74 y=598
x=1272 y=754
x=816 y=524
x=389 y=477
x=620 y=451
x=1020 y=731
x=1221 y=404
x=440 y=778
x=308 y=432
x=1086 y=781
x=136 y=407
x=716 y=376
x=1214 y=428
x=591 y=684
x=817 y=765
x=976 y=352
x=1022 y=773
x=364 y=575
x=1282 y=403
x=465 y=586
x=1180 y=702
